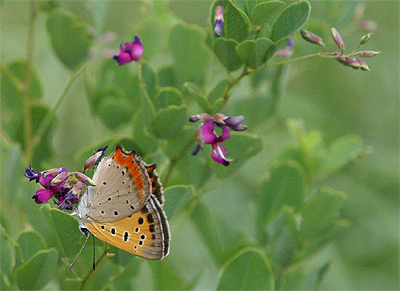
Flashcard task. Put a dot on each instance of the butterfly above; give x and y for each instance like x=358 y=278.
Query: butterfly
x=125 y=207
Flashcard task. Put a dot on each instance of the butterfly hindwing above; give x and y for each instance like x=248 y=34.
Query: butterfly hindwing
x=144 y=233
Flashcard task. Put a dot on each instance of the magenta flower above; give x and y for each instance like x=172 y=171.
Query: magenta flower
x=206 y=132
x=130 y=51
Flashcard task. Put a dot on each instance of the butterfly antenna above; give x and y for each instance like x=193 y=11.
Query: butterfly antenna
x=94 y=255
x=70 y=266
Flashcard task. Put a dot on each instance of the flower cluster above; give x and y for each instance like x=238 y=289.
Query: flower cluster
x=206 y=132
x=130 y=51
x=66 y=187
x=352 y=59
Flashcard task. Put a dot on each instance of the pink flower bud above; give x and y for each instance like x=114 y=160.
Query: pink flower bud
x=199 y=117
x=338 y=39
x=83 y=178
x=352 y=63
x=363 y=65
x=366 y=53
x=311 y=37
x=59 y=178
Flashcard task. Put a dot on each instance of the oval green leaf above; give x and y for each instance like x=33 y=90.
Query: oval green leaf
x=169 y=121
x=255 y=53
x=290 y=20
x=70 y=37
x=225 y=49
x=38 y=271
x=29 y=242
x=249 y=270
x=266 y=12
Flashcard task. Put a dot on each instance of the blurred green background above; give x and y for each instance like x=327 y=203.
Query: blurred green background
x=328 y=97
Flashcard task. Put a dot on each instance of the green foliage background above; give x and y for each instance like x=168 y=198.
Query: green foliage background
x=217 y=231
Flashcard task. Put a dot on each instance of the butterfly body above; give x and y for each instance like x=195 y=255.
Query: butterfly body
x=124 y=209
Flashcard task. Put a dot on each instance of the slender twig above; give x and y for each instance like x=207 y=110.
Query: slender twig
x=50 y=116
x=27 y=104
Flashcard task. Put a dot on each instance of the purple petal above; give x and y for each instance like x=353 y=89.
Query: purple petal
x=42 y=195
x=137 y=48
x=208 y=132
x=31 y=174
x=225 y=134
x=218 y=154
x=196 y=150
x=219 y=24
x=123 y=58
x=45 y=180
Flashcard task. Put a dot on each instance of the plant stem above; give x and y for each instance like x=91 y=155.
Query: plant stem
x=50 y=116
x=27 y=105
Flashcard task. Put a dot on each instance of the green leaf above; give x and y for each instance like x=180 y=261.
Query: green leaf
x=283 y=238
x=290 y=20
x=149 y=78
x=235 y=26
x=66 y=230
x=319 y=212
x=225 y=50
x=105 y=78
x=176 y=199
x=70 y=37
x=195 y=93
x=255 y=53
x=190 y=53
x=179 y=143
x=6 y=255
x=154 y=35
x=341 y=152
x=148 y=110
x=169 y=121
x=286 y=186
x=241 y=146
x=145 y=142
x=29 y=242
x=166 y=277
x=37 y=271
x=248 y=270
x=217 y=92
x=114 y=111
x=168 y=96
x=167 y=77
x=266 y=12
x=12 y=78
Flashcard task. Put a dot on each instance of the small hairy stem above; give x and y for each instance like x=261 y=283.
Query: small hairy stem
x=27 y=105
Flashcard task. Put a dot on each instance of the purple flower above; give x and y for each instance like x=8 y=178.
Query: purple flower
x=45 y=179
x=130 y=51
x=206 y=132
x=218 y=20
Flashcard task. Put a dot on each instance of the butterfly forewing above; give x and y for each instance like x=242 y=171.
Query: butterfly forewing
x=122 y=187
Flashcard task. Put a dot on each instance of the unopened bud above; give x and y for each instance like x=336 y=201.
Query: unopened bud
x=199 y=117
x=59 y=178
x=363 y=65
x=352 y=63
x=338 y=39
x=366 y=53
x=364 y=39
x=77 y=189
x=219 y=20
x=77 y=176
x=311 y=37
